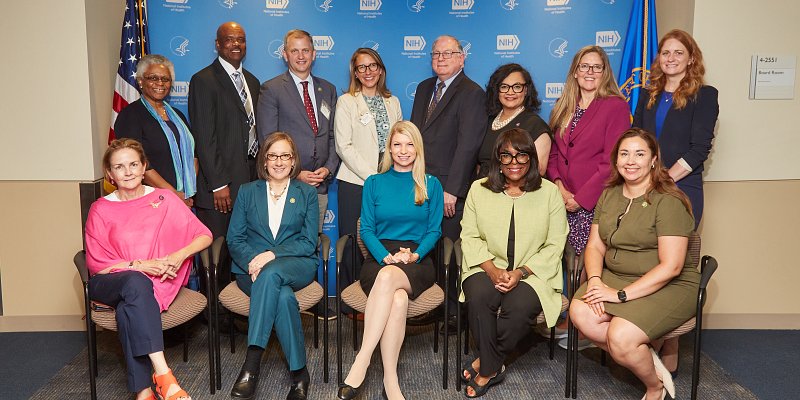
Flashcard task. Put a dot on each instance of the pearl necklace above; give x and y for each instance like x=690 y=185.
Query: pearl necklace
x=278 y=196
x=514 y=197
x=498 y=124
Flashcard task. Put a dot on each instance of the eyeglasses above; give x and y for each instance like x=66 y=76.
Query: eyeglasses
x=596 y=68
x=283 y=157
x=520 y=158
x=516 y=88
x=363 y=67
x=447 y=54
x=156 y=79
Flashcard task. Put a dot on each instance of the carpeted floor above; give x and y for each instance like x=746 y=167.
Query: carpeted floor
x=531 y=375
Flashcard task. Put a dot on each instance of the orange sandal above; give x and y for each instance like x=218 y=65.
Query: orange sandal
x=163 y=382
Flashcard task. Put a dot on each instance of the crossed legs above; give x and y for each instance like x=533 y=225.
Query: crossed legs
x=628 y=345
x=384 y=323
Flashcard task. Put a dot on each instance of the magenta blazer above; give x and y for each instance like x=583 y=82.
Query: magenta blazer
x=582 y=160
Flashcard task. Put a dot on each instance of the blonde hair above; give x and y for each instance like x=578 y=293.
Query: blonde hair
x=691 y=82
x=561 y=115
x=418 y=170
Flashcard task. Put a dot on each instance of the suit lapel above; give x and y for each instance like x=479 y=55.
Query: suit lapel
x=226 y=82
x=587 y=118
x=289 y=209
x=294 y=94
x=262 y=209
x=450 y=91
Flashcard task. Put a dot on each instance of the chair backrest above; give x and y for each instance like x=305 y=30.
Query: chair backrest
x=707 y=268
x=458 y=253
x=359 y=242
x=693 y=251
x=80 y=264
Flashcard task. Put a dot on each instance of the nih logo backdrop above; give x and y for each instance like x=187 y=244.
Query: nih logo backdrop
x=542 y=35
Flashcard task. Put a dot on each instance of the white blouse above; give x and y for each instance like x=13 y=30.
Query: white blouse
x=275 y=209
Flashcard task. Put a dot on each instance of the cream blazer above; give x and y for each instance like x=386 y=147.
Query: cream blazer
x=357 y=136
x=540 y=232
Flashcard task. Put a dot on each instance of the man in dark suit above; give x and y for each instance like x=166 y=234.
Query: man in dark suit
x=302 y=105
x=450 y=112
x=224 y=132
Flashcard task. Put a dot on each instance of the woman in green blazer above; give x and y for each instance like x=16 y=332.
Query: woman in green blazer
x=514 y=267
x=272 y=239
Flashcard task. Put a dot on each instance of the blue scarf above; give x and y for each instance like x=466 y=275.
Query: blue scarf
x=183 y=155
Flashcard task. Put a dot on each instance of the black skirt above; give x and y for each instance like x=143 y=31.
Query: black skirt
x=421 y=275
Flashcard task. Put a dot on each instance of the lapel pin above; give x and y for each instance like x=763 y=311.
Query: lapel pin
x=291 y=200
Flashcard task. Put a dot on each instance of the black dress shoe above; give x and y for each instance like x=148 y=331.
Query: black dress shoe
x=347 y=392
x=298 y=391
x=245 y=386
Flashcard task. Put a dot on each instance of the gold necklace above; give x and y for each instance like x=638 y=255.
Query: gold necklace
x=279 y=195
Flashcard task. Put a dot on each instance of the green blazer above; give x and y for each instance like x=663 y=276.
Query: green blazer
x=540 y=229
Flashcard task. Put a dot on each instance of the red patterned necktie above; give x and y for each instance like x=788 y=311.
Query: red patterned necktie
x=309 y=108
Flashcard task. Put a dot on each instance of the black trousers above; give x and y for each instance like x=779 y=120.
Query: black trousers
x=349 y=213
x=138 y=320
x=497 y=333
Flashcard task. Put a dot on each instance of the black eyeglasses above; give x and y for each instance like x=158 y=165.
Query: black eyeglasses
x=363 y=67
x=520 y=158
x=156 y=79
x=516 y=88
x=447 y=54
x=596 y=68
x=283 y=157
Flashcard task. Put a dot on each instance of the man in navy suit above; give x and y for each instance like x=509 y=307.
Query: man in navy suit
x=302 y=105
x=224 y=132
x=450 y=112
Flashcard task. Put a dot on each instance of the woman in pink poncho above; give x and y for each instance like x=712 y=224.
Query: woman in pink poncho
x=139 y=243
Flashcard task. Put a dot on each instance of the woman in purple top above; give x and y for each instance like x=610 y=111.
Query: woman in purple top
x=587 y=120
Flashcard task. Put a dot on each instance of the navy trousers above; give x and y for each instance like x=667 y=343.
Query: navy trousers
x=274 y=305
x=138 y=320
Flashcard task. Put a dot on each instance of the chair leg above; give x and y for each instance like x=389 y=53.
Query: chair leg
x=458 y=346
x=355 y=331
x=185 y=329
x=338 y=335
x=91 y=338
x=316 y=326
x=552 y=342
x=436 y=335
x=696 y=360
x=325 y=340
x=232 y=332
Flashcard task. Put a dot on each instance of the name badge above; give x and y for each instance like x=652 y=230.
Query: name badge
x=325 y=110
x=365 y=118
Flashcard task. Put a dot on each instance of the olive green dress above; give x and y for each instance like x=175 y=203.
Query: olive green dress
x=631 y=241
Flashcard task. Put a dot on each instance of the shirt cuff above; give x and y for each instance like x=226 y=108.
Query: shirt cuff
x=223 y=187
x=684 y=164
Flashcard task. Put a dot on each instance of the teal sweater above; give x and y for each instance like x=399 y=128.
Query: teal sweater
x=388 y=212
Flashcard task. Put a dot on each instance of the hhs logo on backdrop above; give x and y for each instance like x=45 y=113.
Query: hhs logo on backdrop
x=229 y=4
x=415 y=5
x=323 y=5
x=509 y=5
x=275 y=48
x=179 y=45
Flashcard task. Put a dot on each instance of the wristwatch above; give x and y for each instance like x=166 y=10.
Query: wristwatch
x=622 y=296
x=524 y=271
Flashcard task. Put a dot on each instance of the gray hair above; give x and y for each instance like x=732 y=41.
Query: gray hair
x=154 y=59
x=458 y=43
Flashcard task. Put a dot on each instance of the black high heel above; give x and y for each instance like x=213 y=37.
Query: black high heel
x=347 y=392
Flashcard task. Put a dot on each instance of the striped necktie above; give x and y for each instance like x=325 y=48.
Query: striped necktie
x=252 y=143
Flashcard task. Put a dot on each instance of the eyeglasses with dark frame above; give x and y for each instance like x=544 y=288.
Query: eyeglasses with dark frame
x=283 y=157
x=516 y=88
x=596 y=68
x=363 y=67
x=521 y=158
x=447 y=54
x=156 y=79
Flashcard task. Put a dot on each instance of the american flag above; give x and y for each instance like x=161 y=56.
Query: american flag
x=134 y=45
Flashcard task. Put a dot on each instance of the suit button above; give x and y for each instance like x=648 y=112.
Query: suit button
x=572 y=145
x=566 y=162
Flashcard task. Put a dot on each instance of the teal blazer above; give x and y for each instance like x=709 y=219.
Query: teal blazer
x=249 y=233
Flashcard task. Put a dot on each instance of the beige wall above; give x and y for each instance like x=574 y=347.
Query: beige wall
x=70 y=49
x=747 y=225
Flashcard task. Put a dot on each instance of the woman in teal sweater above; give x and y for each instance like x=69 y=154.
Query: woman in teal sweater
x=401 y=220
x=512 y=235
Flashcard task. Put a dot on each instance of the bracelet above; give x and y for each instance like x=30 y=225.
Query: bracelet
x=593 y=276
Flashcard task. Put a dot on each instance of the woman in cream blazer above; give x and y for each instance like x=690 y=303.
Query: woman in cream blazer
x=364 y=117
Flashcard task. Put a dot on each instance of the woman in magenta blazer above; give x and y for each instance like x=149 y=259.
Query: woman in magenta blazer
x=587 y=120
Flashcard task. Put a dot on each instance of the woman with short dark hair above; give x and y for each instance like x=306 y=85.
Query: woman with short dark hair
x=512 y=238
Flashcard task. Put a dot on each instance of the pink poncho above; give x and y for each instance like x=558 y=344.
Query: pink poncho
x=151 y=226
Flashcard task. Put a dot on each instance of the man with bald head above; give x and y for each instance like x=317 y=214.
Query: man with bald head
x=220 y=96
x=450 y=112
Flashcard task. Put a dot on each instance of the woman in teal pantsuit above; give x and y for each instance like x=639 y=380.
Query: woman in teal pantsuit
x=272 y=239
